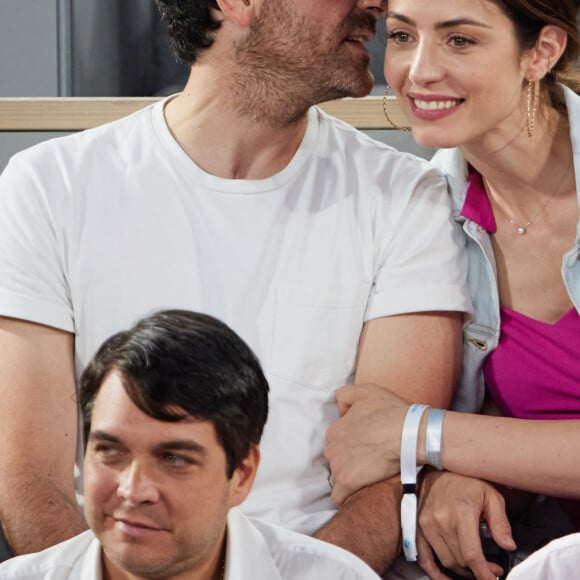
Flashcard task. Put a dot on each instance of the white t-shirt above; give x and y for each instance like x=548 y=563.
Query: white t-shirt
x=559 y=560
x=255 y=551
x=103 y=227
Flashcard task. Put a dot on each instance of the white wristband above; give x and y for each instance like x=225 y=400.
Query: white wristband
x=433 y=436
x=409 y=472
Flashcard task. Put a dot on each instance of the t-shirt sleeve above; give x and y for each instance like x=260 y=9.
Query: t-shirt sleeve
x=420 y=257
x=33 y=252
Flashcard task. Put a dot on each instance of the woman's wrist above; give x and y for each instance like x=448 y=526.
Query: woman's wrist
x=429 y=438
x=422 y=440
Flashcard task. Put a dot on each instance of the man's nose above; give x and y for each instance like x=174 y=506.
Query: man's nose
x=377 y=7
x=137 y=485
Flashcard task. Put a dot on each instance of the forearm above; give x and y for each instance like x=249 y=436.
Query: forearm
x=537 y=456
x=38 y=416
x=35 y=513
x=368 y=524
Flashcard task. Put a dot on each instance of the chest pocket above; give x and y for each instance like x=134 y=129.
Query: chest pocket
x=316 y=334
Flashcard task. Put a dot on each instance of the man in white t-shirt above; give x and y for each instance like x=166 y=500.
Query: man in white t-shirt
x=174 y=409
x=333 y=256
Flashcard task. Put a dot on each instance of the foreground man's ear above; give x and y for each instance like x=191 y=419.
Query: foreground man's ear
x=243 y=477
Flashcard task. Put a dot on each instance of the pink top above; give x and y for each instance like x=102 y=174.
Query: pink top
x=535 y=371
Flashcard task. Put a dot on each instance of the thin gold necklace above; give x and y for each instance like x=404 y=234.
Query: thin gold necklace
x=521 y=228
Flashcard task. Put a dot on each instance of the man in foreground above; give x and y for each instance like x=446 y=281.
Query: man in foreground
x=173 y=412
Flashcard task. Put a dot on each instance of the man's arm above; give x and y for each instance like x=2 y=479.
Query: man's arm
x=38 y=425
x=418 y=357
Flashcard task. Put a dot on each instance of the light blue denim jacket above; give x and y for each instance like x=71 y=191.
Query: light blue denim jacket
x=481 y=333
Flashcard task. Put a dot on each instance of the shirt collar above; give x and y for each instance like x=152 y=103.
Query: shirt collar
x=248 y=554
x=476 y=206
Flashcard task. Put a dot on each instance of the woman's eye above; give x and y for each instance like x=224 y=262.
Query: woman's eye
x=398 y=36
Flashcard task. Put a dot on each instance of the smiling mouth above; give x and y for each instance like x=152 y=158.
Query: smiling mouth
x=436 y=105
x=131 y=524
x=137 y=531
x=136 y=526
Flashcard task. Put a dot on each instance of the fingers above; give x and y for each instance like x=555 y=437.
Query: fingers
x=345 y=397
x=459 y=548
x=426 y=559
x=451 y=510
x=498 y=524
x=472 y=555
x=348 y=395
x=340 y=493
x=448 y=552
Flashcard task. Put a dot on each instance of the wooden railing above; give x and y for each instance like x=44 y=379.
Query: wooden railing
x=78 y=113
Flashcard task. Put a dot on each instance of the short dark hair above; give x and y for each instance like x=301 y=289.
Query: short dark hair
x=178 y=363
x=191 y=26
x=529 y=17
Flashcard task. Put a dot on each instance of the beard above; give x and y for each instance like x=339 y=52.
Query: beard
x=287 y=63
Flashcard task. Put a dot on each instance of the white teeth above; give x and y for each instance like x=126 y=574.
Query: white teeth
x=435 y=105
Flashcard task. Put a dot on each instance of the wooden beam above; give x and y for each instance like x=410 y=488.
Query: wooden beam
x=78 y=113
x=65 y=114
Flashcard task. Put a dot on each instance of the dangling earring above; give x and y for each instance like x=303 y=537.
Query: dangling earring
x=386 y=112
x=531 y=106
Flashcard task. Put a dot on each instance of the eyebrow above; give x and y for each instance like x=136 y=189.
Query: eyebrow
x=182 y=445
x=103 y=436
x=171 y=445
x=440 y=25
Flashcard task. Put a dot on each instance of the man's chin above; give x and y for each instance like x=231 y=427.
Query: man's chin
x=364 y=86
x=141 y=565
x=356 y=90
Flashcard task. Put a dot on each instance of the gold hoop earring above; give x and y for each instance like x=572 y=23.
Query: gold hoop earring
x=531 y=107
x=387 y=115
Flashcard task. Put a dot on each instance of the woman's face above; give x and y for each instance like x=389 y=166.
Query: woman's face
x=458 y=71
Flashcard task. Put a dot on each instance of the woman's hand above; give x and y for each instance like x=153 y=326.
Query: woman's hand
x=363 y=447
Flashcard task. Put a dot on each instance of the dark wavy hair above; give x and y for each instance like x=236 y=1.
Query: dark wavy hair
x=177 y=364
x=528 y=18
x=191 y=26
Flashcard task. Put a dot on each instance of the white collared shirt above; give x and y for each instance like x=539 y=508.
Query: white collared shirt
x=560 y=559
x=255 y=551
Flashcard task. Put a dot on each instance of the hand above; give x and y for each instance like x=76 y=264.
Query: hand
x=451 y=508
x=363 y=447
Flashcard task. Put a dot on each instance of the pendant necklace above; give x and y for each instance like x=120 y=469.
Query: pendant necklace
x=521 y=229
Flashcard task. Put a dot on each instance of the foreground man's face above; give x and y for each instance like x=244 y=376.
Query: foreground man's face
x=156 y=493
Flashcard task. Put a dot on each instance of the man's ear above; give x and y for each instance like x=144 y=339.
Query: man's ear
x=243 y=477
x=549 y=47
x=239 y=11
